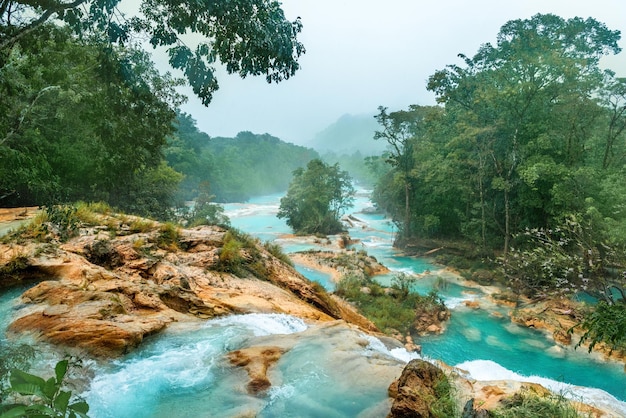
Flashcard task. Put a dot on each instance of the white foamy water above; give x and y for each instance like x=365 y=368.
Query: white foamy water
x=486 y=370
x=455 y=302
x=377 y=346
x=263 y=324
x=252 y=210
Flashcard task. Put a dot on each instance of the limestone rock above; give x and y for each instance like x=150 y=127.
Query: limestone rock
x=414 y=391
x=103 y=294
x=256 y=361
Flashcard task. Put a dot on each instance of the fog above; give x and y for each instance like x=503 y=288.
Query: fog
x=366 y=53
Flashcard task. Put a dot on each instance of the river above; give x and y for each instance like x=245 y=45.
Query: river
x=182 y=372
x=489 y=347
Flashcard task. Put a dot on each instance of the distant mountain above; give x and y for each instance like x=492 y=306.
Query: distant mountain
x=351 y=133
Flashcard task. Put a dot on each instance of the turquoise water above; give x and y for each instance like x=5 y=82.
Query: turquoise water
x=474 y=338
x=317 y=276
x=474 y=334
x=9 y=303
x=184 y=373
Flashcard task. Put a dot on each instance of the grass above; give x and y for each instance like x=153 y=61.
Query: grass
x=168 y=237
x=529 y=404
x=277 y=251
x=388 y=310
x=444 y=405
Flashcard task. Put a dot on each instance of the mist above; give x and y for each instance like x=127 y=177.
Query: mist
x=360 y=55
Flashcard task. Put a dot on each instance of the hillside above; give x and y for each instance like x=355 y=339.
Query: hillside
x=349 y=134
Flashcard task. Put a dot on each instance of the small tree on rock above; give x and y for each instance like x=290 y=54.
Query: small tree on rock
x=316 y=199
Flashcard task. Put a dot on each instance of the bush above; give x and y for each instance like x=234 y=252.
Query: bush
x=14 y=267
x=388 y=310
x=64 y=220
x=444 y=405
x=277 y=251
x=87 y=212
x=230 y=254
x=169 y=234
x=48 y=399
x=528 y=404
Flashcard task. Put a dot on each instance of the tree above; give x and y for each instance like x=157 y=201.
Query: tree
x=249 y=37
x=403 y=130
x=316 y=198
x=524 y=96
x=75 y=124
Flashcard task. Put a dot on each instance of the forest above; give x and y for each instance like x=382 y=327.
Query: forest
x=85 y=115
x=523 y=159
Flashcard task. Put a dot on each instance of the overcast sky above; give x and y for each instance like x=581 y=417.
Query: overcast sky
x=365 y=53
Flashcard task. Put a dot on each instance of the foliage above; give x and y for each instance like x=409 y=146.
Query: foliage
x=445 y=404
x=606 y=324
x=528 y=404
x=230 y=254
x=240 y=256
x=250 y=37
x=80 y=121
x=63 y=221
x=277 y=251
x=88 y=213
x=204 y=212
x=50 y=399
x=516 y=142
x=231 y=167
x=570 y=258
x=387 y=310
x=151 y=193
x=13 y=268
x=316 y=198
x=12 y=357
x=169 y=235
x=402 y=283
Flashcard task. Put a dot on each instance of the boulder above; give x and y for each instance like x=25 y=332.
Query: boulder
x=414 y=391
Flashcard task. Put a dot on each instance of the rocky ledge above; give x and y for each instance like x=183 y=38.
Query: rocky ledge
x=107 y=288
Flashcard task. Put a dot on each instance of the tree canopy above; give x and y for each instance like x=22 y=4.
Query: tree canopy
x=249 y=37
x=316 y=198
x=234 y=168
x=84 y=114
x=524 y=159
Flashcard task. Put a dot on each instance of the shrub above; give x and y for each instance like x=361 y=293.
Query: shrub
x=64 y=220
x=230 y=254
x=444 y=405
x=140 y=225
x=277 y=251
x=169 y=235
x=528 y=404
x=88 y=212
x=48 y=398
x=14 y=267
x=388 y=310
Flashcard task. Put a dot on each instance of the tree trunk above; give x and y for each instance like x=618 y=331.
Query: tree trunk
x=507 y=224
x=407 y=211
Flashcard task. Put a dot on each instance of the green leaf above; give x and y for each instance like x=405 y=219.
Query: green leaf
x=19 y=377
x=62 y=400
x=81 y=408
x=50 y=388
x=14 y=412
x=60 y=369
x=27 y=389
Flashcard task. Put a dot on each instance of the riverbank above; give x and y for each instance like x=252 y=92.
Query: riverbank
x=111 y=291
